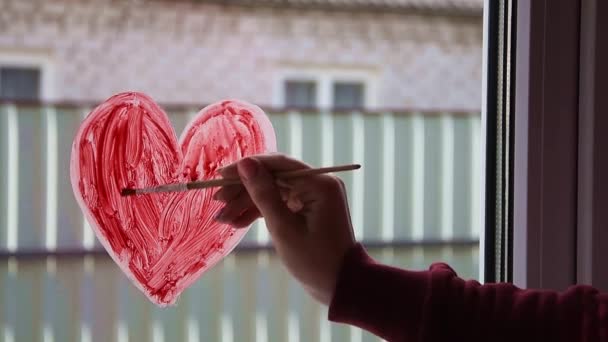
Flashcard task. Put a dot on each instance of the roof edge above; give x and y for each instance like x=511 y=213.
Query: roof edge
x=358 y=6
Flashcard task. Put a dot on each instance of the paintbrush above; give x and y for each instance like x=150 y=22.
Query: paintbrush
x=176 y=187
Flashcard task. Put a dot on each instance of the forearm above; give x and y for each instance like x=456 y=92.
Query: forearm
x=436 y=305
x=386 y=301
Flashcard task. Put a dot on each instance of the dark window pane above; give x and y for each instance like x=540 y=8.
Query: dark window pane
x=20 y=83
x=300 y=94
x=348 y=95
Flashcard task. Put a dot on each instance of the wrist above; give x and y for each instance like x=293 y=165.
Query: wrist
x=350 y=257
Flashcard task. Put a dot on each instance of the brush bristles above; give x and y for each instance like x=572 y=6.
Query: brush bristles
x=128 y=192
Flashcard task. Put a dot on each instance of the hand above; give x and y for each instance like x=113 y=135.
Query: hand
x=307 y=218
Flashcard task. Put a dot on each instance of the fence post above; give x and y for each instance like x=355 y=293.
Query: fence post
x=51 y=178
x=12 y=198
x=417 y=198
x=447 y=176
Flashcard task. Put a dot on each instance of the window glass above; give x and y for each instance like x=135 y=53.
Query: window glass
x=414 y=66
x=19 y=83
x=348 y=95
x=300 y=94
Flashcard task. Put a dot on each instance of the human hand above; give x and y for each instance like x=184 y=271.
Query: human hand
x=307 y=218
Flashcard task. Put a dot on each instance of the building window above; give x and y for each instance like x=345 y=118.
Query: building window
x=300 y=94
x=348 y=95
x=326 y=88
x=19 y=83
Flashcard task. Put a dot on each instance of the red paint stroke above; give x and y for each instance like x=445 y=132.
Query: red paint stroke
x=163 y=242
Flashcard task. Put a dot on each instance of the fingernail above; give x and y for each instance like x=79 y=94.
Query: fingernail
x=220 y=169
x=218 y=215
x=248 y=168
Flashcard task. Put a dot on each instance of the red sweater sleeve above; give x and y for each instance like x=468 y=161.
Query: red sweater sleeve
x=436 y=305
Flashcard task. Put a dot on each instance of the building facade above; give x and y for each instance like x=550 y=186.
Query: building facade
x=399 y=55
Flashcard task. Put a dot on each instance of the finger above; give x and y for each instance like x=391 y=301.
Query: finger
x=266 y=196
x=231 y=192
x=294 y=203
x=274 y=162
x=229 y=171
x=283 y=184
x=235 y=208
x=318 y=188
x=284 y=194
x=290 y=198
x=320 y=192
x=246 y=219
x=228 y=193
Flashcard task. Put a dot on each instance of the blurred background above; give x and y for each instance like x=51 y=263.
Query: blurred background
x=392 y=84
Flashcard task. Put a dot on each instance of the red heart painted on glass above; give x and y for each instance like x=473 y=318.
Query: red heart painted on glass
x=163 y=242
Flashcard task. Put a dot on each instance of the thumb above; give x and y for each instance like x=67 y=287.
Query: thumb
x=261 y=187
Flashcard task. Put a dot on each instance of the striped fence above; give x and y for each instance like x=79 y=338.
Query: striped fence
x=415 y=201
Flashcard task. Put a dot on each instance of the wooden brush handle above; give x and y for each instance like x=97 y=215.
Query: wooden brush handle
x=279 y=175
x=235 y=181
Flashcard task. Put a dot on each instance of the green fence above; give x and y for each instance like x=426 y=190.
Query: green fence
x=415 y=201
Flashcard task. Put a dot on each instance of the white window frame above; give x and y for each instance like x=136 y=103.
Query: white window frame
x=324 y=79
x=39 y=60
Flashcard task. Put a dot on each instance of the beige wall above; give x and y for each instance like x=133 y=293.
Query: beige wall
x=200 y=53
